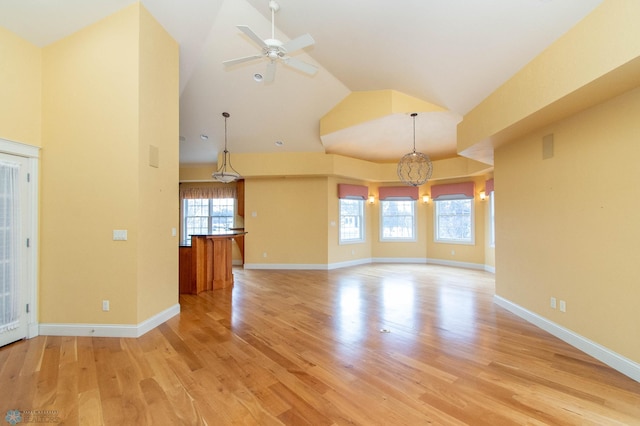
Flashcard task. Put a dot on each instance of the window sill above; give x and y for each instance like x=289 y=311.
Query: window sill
x=458 y=242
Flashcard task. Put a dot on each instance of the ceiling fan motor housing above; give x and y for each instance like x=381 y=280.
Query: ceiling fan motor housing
x=273 y=5
x=274 y=49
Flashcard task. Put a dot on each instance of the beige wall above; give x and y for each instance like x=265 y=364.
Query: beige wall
x=352 y=252
x=287 y=219
x=89 y=174
x=597 y=59
x=277 y=204
x=20 y=90
x=407 y=250
x=567 y=228
x=238 y=221
x=473 y=254
x=98 y=123
x=158 y=129
x=564 y=225
x=489 y=248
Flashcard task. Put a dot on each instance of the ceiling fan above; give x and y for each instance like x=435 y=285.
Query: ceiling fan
x=274 y=49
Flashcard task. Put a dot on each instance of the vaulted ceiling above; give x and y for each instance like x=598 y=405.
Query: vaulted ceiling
x=449 y=53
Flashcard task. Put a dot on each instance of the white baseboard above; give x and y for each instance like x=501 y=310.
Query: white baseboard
x=338 y=265
x=109 y=330
x=616 y=361
x=348 y=263
x=399 y=260
x=289 y=266
x=465 y=265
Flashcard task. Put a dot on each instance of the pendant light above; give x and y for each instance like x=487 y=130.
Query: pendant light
x=415 y=168
x=223 y=174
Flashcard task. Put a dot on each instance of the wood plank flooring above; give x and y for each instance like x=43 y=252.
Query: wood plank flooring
x=369 y=345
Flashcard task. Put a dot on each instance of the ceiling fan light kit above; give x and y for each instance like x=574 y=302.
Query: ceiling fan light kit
x=226 y=173
x=275 y=50
x=415 y=168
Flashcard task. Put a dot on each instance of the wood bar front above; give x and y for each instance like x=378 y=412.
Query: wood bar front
x=209 y=261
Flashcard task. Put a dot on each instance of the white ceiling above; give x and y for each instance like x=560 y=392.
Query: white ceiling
x=452 y=53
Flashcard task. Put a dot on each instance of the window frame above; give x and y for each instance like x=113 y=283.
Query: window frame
x=436 y=220
x=414 y=224
x=492 y=220
x=361 y=238
x=186 y=237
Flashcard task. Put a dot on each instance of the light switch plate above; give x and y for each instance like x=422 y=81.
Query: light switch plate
x=154 y=156
x=119 y=235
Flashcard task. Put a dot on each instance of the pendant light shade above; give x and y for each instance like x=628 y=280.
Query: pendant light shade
x=226 y=173
x=415 y=168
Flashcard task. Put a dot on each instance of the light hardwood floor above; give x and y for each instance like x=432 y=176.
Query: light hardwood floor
x=369 y=345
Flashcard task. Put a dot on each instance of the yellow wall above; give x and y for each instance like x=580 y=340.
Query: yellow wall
x=90 y=173
x=287 y=219
x=158 y=186
x=20 y=90
x=567 y=228
x=199 y=173
x=305 y=169
x=98 y=121
x=251 y=165
x=489 y=248
x=353 y=252
x=400 y=250
x=323 y=198
x=597 y=59
x=465 y=253
x=360 y=107
x=238 y=221
x=563 y=225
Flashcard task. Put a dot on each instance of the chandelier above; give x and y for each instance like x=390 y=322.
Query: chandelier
x=415 y=168
x=222 y=174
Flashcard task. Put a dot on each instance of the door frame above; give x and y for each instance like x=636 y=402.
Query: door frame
x=32 y=154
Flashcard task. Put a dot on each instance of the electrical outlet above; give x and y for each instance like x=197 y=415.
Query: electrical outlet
x=563 y=306
x=105 y=305
x=264 y=254
x=553 y=302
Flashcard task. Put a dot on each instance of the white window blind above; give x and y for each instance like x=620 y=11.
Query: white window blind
x=9 y=247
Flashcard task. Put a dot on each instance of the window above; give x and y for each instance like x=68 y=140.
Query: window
x=397 y=220
x=351 y=220
x=454 y=221
x=201 y=216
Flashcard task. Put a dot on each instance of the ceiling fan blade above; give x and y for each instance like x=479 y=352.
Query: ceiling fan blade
x=236 y=61
x=300 y=65
x=270 y=75
x=298 y=43
x=253 y=36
